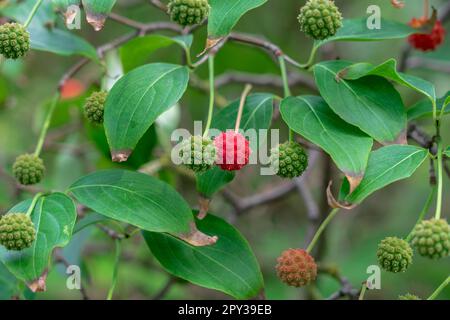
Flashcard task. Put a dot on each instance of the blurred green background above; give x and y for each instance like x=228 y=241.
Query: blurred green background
x=26 y=87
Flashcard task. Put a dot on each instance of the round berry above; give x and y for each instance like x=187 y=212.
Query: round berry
x=233 y=151
x=409 y=296
x=14 y=40
x=95 y=106
x=28 y=169
x=288 y=160
x=429 y=41
x=320 y=19
x=296 y=268
x=16 y=231
x=431 y=238
x=188 y=12
x=198 y=153
x=394 y=254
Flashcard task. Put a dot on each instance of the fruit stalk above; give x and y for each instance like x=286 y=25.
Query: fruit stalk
x=32 y=13
x=244 y=95
x=321 y=229
x=46 y=125
x=212 y=89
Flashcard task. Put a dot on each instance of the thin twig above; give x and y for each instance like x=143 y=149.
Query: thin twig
x=163 y=292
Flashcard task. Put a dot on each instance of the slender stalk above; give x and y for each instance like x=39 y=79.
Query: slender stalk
x=363 y=291
x=46 y=125
x=439 y=289
x=287 y=91
x=312 y=56
x=32 y=13
x=115 y=271
x=426 y=8
x=33 y=203
x=244 y=95
x=321 y=229
x=424 y=211
x=212 y=89
x=440 y=178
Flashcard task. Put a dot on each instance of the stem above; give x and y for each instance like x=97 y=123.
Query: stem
x=363 y=291
x=46 y=125
x=244 y=95
x=287 y=91
x=32 y=13
x=424 y=211
x=311 y=56
x=33 y=203
x=439 y=289
x=321 y=229
x=115 y=271
x=440 y=178
x=212 y=89
x=426 y=8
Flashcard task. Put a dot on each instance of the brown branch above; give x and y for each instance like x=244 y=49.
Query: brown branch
x=126 y=21
x=59 y=258
x=163 y=292
x=346 y=289
x=112 y=233
x=158 y=4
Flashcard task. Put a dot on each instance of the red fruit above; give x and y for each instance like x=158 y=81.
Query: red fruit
x=296 y=268
x=426 y=42
x=233 y=151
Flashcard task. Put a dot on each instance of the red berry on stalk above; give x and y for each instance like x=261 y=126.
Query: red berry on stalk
x=296 y=267
x=233 y=151
x=426 y=42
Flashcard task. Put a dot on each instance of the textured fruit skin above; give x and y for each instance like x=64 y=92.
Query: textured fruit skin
x=409 y=296
x=95 y=106
x=28 y=169
x=426 y=42
x=289 y=160
x=198 y=153
x=188 y=12
x=394 y=254
x=16 y=231
x=233 y=151
x=14 y=40
x=320 y=19
x=431 y=238
x=296 y=267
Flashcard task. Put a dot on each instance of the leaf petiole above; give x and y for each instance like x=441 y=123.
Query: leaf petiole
x=33 y=203
x=32 y=13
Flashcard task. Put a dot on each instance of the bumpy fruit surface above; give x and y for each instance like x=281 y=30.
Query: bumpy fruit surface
x=198 y=153
x=14 y=40
x=320 y=19
x=394 y=254
x=16 y=231
x=409 y=296
x=95 y=106
x=188 y=12
x=289 y=160
x=426 y=42
x=296 y=268
x=28 y=169
x=233 y=151
x=431 y=238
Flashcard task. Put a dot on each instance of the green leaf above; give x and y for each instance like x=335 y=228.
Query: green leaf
x=8 y=283
x=136 y=100
x=424 y=108
x=228 y=266
x=225 y=14
x=370 y=103
x=388 y=70
x=97 y=11
x=447 y=152
x=387 y=165
x=312 y=118
x=54 y=218
x=134 y=198
x=211 y=181
x=136 y=52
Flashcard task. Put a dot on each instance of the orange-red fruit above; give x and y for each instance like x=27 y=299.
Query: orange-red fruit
x=296 y=268
x=233 y=151
x=426 y=42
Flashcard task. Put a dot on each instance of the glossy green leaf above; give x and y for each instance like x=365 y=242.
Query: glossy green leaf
x=134 y=198
x=389 y=71
x=225 y=14
x=8 y=283
x=424 y=108
x=447 y=152
x=370 y=103
x=136 y=100
x=54 y=218
x=228 y=266
x=211 y=181
x=97 y=11
x=136 y=52
x=312 y=118
x=387 y=165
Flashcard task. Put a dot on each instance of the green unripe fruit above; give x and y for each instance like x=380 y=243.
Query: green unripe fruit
x=198 y=153
x=394 y=254
x=188 y=12
x=320 y=19
x=14 y=40
x=409 y=296
x=28 y=169
x=288 y=160
x=94 y=107
x=431 y=238
x=16 y=231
